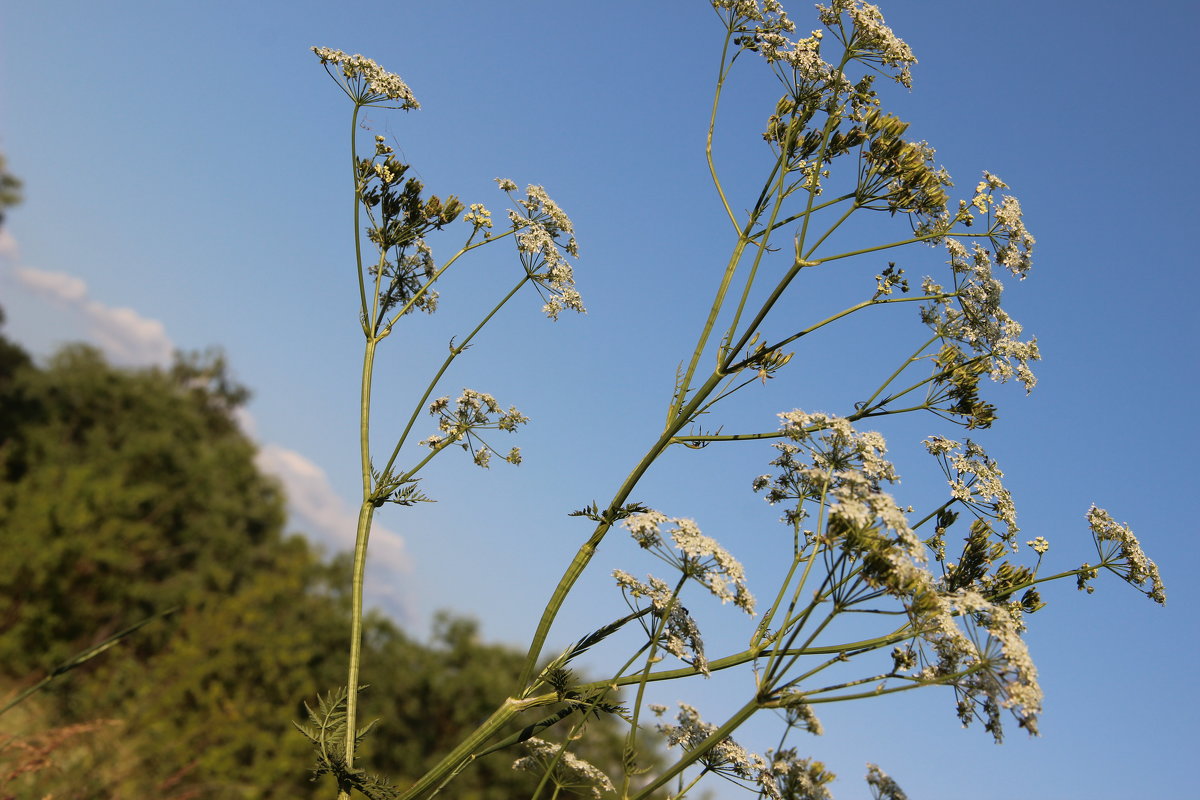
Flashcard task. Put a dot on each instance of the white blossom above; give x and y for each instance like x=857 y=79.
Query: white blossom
x=569 y=771
x=699 y=557
x=365 y=81
x=871 y=38
x=1039 y=545
x=1121 y=552
x=680 y=635
x=539 y=227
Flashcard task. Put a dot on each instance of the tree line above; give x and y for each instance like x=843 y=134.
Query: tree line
x=125 y=493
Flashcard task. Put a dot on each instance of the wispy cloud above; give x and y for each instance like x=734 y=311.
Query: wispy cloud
x=328 y=519
x=313 y=498
x=124 y=335
x=130 y=339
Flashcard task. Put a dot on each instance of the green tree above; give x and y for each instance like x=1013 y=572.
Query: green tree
x=126 y=492
x=122 y=493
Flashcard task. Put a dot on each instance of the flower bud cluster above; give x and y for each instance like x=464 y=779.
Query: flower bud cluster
x=399 y=220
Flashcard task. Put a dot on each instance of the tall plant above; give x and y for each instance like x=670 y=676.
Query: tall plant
x=944 y=615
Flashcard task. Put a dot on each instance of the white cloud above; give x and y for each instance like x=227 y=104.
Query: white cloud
x=128 y=338
x=334 y=521
x=124 y=335
x=58 y=286
x=8 y=246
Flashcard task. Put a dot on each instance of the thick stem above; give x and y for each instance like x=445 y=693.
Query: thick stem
x=588 y=549
x=365 y=514
x=699 y=751
x=465 y=751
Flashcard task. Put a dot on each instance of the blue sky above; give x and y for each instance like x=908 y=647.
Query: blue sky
x=186 y=187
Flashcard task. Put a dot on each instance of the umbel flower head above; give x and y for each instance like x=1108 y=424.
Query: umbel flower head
x=567 y=770
x=681 y=635
x=695 y=555
x=778 y=776
x=871 y=38
x=540 y=226
x=1121 y=553
x=364 y=81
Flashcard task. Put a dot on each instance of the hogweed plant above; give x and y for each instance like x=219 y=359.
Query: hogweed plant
x=943 y=614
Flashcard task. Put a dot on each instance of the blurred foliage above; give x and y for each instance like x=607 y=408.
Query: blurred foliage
x=10 y=188
x=126 y=492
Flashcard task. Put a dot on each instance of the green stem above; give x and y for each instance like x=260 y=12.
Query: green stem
x=916 y=354
x=362 y=287
x=464 y=753
x=655 y=636
x=700 y=750
x=717 y=304
x=845 y=216
x=417 y=295
x=588 y=549
x=830 y=125
x=789 y=220
x=781 y=194
x=775 y=295
x=727 y=662
x=454 y=353
x=365 y=514
x=82 y=657
x=712 y=124
x=727 y=437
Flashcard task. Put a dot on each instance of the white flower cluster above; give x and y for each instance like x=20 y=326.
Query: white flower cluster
x=857 y=501
x=699 y=557
x=800 y=713
x=473 y=411
x=883 y=787
x=976 y=480
x=872 y=39
x=725 y=757
x=539 y=229
x=972 y=315
x=680 y=635
x=987 y=662
x=1000 y=675
x=479 y=216
x=1012 y=240
x=763 y=30
x=802 y=55
x=769 y=12
x=976 y=319
x=777 y=776
x=839 y=443
x=365 y=81
x=569 y=771
x=1121 y=553
x=843 y=470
